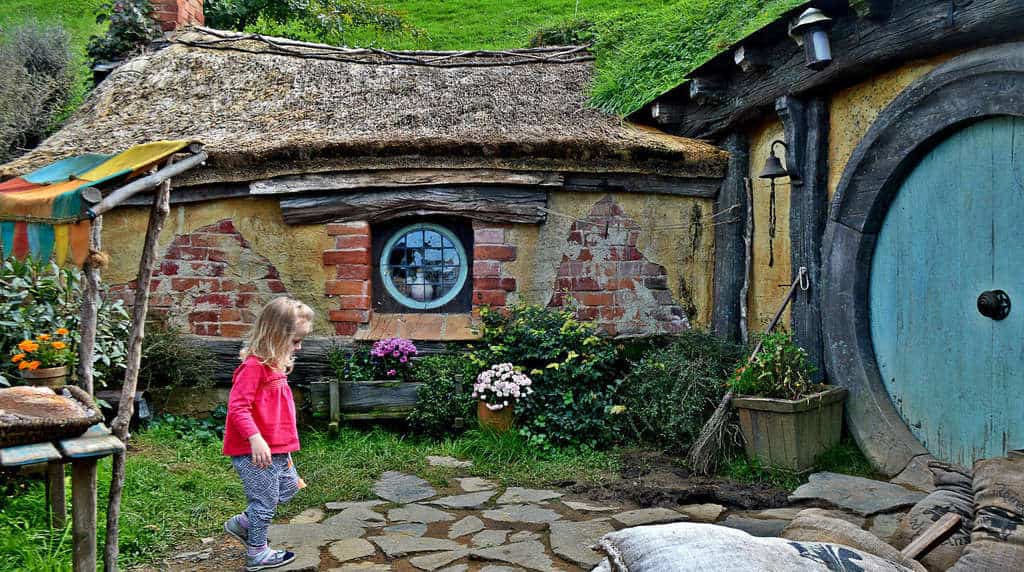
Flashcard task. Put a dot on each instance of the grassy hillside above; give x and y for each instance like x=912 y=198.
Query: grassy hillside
x=644 y=47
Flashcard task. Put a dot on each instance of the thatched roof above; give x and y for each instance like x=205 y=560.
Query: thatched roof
x=266 y=114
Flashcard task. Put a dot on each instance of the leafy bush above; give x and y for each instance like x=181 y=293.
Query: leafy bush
x=170 y=359
x=573 y=373
x=131 y=29
x=37 y=296
x=38 y=83
x=192 y=429
x=445 y=396
x=781 y=369
x=352 y=364
x=671 y=391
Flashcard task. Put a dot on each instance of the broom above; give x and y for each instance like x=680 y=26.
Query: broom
x=704 y=451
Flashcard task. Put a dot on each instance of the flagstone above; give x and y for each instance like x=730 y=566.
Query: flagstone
x=648 y=516
x=469 y=500
x=467 y=525
x=351 y=549
x=435 y=461
x=519 y=495
x=435 y=561
x=530 y=555
x=402 y=488
x=399 y=545
x=865 y=497
x=489 y=538
x=407 y=528
x=353 y=504
x=308 y=516
x=572 y=540
x=526 y=513
x=584 y=507
x=475 y=484
x=312 y=534
x=708 y=512
x=418 y=513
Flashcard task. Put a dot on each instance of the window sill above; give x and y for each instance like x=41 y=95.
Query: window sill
x=426 y=327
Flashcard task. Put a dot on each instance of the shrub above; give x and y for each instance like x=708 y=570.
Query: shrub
x=670 y=392
x=170 y=359
x=38 y=82
x=573 y=373
x=445 y=396
x=43 y=297
x=131 y=29
x=781 y=369
x=352 y=364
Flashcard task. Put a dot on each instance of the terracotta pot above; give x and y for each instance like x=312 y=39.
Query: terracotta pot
x=46 y=377
x=500 y=420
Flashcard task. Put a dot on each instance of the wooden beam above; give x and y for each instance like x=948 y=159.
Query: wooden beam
x=400 y=178
x=932 y=535
x=666 y=113
x=89 y=309
x=83 y=514
x=485 y=203
x=701 y=187
x=806 y=125
x=730 y=223
x=55 y=494
x=872 y=9
x=705 y=90
x=193 y=194
x=117 y=197
x=862 y=48
x=157 y=216
x=750 y=58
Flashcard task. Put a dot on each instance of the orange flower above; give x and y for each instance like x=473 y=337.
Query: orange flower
x=62 y=331
x=28 y=346
x=59 y=345
x=33 y=365
x=43 y=337
x=17 y=358
x=24 y=365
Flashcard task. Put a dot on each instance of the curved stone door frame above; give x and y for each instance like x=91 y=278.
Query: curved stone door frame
x=978 y=85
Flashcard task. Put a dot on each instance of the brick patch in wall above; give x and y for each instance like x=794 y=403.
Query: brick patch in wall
x=493 y=286
x=350 y=284
x=610 y=282
x=210 y=282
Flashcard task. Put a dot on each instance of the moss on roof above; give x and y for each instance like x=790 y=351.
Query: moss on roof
x=642 y=55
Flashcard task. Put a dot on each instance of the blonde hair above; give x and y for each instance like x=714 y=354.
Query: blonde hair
x=270 y=338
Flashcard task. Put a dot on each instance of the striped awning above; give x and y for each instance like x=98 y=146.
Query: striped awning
x=42 y=213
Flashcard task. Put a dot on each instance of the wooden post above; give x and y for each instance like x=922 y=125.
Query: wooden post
x=90 y=307
x=748 y=260
x=157 y=216
x=729 y=232
x=55 y=493
x=806 y=124
x=335 y=405
x=83 y=514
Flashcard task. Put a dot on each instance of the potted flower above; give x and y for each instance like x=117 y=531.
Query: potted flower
x=787 y=419
x=45 y=360
x=498 y=389
x=392 y=356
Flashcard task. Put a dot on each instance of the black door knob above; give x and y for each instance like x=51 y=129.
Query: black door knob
x=994 y=304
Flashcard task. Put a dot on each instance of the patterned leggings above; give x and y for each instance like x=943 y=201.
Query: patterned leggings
x=265 y=489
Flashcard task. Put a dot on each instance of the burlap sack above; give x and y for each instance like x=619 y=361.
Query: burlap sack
x=952 y=494
x=997 y=539
x=814 y=525
x=692 y=547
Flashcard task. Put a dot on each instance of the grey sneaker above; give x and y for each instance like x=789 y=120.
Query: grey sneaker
x=235 y=528
x=268 y=559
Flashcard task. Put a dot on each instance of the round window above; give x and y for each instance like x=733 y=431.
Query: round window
x=423 y=266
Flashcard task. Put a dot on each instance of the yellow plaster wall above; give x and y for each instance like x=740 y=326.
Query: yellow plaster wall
x=768 y=284
x=854 y=109
x=677 y=233
x=296 y=251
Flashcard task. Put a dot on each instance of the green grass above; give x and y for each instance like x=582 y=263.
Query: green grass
x=845 y=458
x=179 y=489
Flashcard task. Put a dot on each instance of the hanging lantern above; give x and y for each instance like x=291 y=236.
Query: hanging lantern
x=811 y=30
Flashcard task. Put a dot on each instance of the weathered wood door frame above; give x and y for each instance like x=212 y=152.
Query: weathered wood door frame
x=981 y=84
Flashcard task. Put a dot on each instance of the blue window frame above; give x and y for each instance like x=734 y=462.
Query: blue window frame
x=423 y=266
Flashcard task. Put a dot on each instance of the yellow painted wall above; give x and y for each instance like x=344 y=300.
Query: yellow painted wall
x=677 y=233
x=296 y=251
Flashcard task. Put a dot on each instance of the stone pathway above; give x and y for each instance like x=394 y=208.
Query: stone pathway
x=474 y=525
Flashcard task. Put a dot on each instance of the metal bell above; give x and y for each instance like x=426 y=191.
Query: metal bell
x=773 y=168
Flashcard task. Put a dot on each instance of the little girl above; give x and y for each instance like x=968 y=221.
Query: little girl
x=260 y=432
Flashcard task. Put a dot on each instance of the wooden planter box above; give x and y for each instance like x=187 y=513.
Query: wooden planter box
x=365 y=400
x=791 y=434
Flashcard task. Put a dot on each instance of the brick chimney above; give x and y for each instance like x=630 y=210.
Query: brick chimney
x=174 y=14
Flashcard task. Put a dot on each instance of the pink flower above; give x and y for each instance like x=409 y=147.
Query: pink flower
x=392 y=372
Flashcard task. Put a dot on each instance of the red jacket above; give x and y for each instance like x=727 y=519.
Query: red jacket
x=261 y=402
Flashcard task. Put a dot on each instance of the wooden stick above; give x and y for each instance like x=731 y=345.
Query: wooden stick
x=88 y=311
x=83 y=514
x=748 y=262
x=145 y=183
x=55 y=493
x=161 y=207
x=933 y=535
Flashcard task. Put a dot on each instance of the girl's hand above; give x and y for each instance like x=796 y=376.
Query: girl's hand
x=260 y=451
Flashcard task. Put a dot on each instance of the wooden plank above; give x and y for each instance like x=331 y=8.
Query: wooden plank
x=377 y=415
x=806 y=125
x=730 y=227
x=193 y=194
x=933 y=535
x=95 y=443
x=369 y=396
x=32 y=454
x=83 y=514
x=400 y=178
x=484 y=203
x=701 y=187
x=750 y=58
x=55 y=494
x=862 y=48
x=667 y=113
x=748 y=259
x=705 y=90
x=335 y=401
x=117 y=197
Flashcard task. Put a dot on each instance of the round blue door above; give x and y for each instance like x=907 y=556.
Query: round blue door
x=951 y=358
